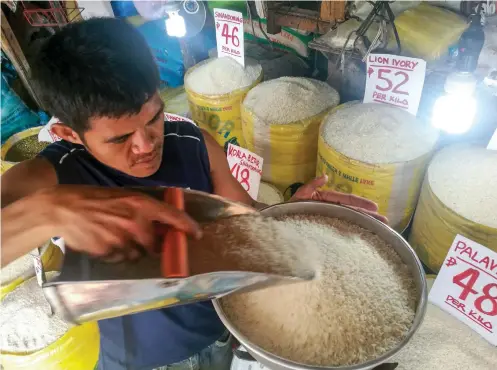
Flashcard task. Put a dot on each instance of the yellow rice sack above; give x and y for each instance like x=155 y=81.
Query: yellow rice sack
x=377 y=152
x=458 y=197
x=77 y=349
x=51 y=259
x=215 y=89
x=427 y=31
x=21 y=146
x=280 y=120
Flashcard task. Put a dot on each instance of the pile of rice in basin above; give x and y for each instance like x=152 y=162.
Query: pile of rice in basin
x=360 y=305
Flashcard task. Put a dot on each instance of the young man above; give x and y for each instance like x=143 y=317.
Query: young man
x=99 y=78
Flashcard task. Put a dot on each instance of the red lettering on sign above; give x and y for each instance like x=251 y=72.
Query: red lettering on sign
x=488 y=297
x=233 y=37
x=472 y=274
x=455 y=303
x=460 y=245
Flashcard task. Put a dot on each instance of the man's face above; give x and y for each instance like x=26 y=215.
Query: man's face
x=130 y=144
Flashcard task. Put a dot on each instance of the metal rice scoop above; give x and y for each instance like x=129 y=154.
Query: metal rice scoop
x=89 y=289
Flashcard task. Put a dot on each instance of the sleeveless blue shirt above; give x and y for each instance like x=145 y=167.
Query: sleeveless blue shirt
x=155 y=338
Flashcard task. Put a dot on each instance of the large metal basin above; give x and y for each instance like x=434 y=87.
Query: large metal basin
x=383 y=231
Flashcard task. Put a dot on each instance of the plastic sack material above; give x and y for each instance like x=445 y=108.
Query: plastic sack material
x=427 y=31
x=5 y=165
x=51 y=259
x=220 y=115
x=123 y=9
x=287 y=39
x=435 y=226
x=15 y=115
x=165 y=49
x=394 y=187
x=77 y=349
x=289 y=150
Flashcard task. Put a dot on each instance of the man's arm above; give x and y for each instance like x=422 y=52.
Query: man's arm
x=227 y=186
x=224 y=183
x=27 y=178
x=23 y=225
x=100 y=221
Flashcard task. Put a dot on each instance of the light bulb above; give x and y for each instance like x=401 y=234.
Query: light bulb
x=454 y=113
x=175 y=24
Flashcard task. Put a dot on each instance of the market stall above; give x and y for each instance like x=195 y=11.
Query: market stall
x=395 y=102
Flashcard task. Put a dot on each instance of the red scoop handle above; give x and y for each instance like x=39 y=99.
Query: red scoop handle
x=174 y=257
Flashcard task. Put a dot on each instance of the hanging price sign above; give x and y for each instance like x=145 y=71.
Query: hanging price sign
x=175 y=118
x=395 y=80
x=246 y=167
x=229 y=34
x=46 y=133
x=466 y=286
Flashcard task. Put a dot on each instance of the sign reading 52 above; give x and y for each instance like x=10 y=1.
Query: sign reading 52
x=386 y=76
x=395 y=80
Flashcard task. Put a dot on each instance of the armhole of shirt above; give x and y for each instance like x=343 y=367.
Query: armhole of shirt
x=65 y=168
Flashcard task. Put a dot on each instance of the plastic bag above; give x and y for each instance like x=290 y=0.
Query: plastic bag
x=15 y=116
x=427 y=32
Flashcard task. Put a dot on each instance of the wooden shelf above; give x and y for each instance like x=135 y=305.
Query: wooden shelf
x=280 y=15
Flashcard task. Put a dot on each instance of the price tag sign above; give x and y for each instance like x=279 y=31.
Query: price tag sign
x=466 y=286
x=175 y=118
x=229 y=34
x=46 y=133
x=246 y=167
x=38 y=265
x=395 y=80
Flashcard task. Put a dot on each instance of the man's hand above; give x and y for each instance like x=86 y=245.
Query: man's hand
x=105 y=222
x=310 y=191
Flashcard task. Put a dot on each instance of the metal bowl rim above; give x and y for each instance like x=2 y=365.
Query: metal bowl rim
x=280 y=361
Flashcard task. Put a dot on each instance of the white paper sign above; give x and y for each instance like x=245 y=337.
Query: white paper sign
x=38 y=265
x=175 y=118
x=246 y=167
x=229 y=34
x=466 y=286
x=492 y=144
x=46 y=133
x=395 y=80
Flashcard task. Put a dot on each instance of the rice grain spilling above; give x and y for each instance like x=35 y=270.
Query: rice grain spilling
x=361 y=305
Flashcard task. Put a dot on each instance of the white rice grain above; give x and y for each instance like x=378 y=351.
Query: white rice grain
x=220 y=76
x=361 y=305
x=268 y=194
x=464 y=178
x=377 y=134
x=290 y=99
x=25 y=321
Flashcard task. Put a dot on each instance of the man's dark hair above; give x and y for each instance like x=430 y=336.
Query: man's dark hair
x=101 y=67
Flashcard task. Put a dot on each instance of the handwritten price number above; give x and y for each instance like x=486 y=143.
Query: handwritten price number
x=489 y=291
x=226 y=34
x=242 y=176
x=384 y=75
